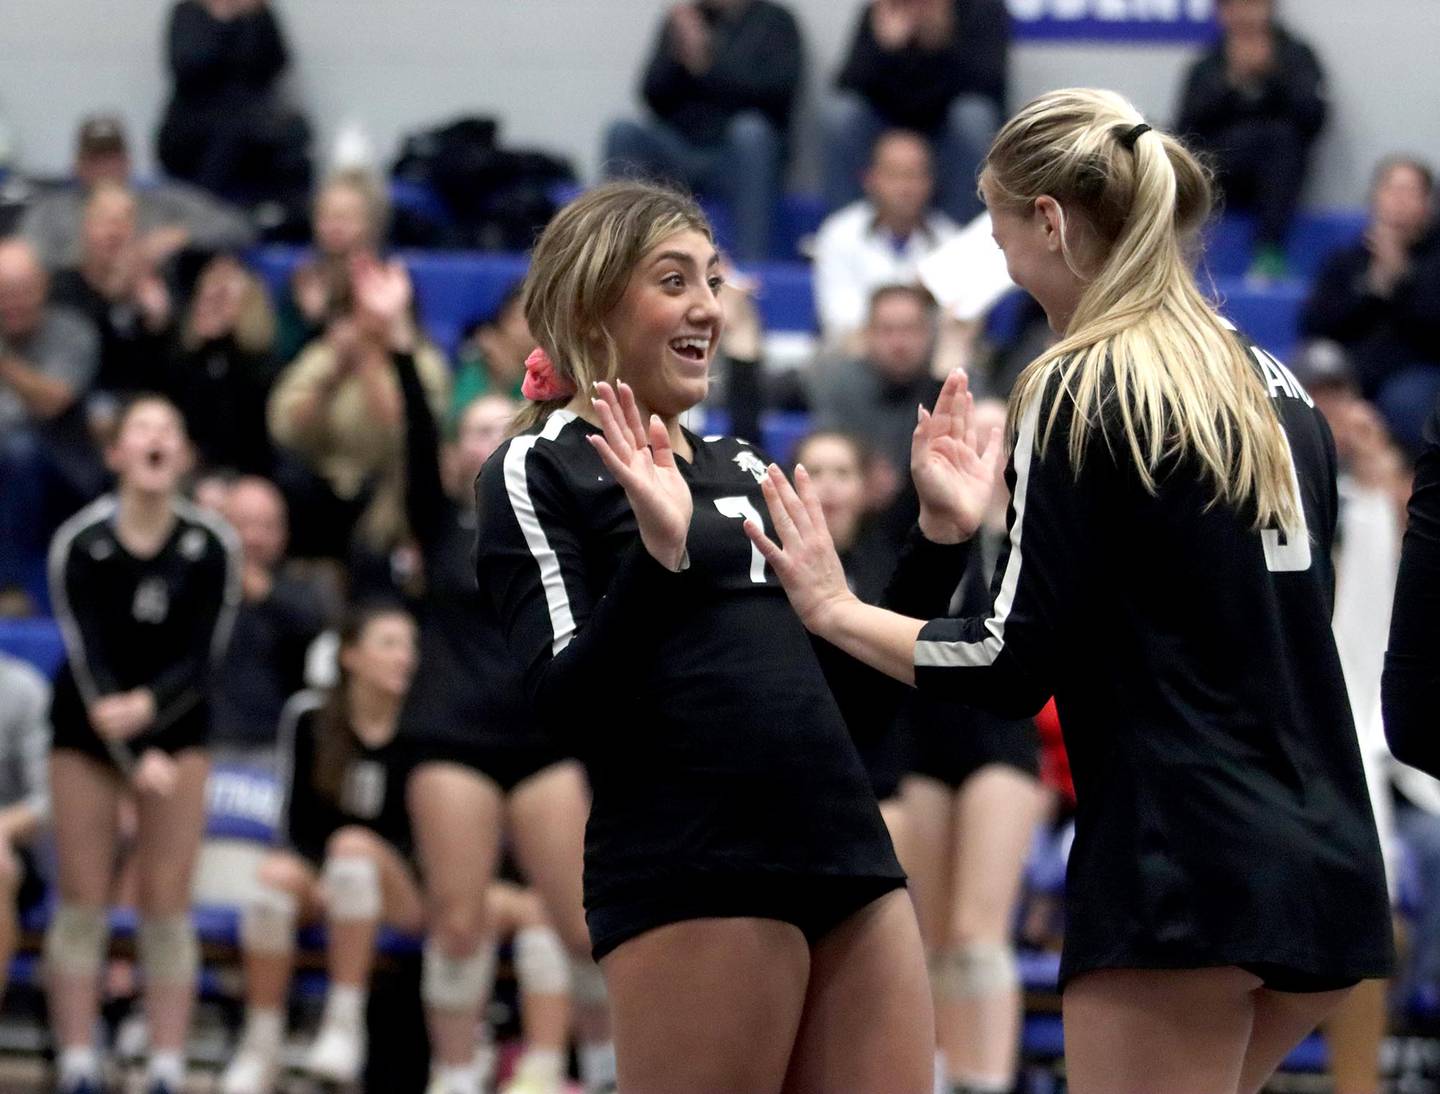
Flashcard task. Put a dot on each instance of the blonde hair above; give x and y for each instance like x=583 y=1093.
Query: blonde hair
x=371 y=189
x=579 y=271
x=1184 y=385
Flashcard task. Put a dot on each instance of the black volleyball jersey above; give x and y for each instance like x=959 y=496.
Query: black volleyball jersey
x=466 y=691
x=160 y=623
x=370 y=792
x=695 y=698
x=1223 y=816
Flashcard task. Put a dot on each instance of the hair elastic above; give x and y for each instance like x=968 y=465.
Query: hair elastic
x=1133 y=134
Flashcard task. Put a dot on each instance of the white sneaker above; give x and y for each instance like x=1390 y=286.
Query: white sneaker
x=338 y=1053
x=530 y=1079
x=253 y=1070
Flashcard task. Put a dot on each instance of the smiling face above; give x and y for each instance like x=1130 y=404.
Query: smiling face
x=383 y=655
x=667 y=325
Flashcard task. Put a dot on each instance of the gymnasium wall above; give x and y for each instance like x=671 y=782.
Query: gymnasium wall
x=558 y=69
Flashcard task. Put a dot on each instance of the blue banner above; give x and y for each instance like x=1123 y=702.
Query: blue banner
x=1138 y=21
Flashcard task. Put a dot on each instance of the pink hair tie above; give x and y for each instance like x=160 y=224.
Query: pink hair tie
x=543 y=382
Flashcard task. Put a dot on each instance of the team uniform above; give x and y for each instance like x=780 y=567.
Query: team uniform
x=1222 y=812
x=160 y=623
x=370 y=792
x=950 y=740
x=466 y=705
x=725 y=782
x=1410 y=686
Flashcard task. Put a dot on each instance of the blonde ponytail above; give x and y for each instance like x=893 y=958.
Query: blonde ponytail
x=1183 y=385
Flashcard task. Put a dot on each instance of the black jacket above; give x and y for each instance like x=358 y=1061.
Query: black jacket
x=913 y=87
x=1294 y=90
x=1382 y=334
x=755 y=66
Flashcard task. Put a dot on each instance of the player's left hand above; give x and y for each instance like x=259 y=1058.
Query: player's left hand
x=805 y=561
x=156 y=773
x=954 y=470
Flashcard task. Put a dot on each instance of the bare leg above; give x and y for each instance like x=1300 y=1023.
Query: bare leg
x=456 y=814
x=167 y=843
x=707 y=1006
x=930 y=817
x=267 y=974
x=11 y=875
x=1282 y=1020
x=544 y=1015
x=351 y=952
x=1133 y=1031
x=547 y=814
x=868 y=1022
x=87 y=799
x=1355 y=1032
x=978 y=1010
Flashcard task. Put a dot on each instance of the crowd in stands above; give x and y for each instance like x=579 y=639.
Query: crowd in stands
x=302 y=420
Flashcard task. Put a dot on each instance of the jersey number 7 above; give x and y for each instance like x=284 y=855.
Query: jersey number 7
x=739 y=508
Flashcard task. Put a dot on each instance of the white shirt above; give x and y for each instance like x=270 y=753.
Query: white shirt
x=854 y=257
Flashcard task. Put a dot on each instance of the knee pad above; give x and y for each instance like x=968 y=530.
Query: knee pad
x=456 y=983
x=541 y=964
x=974 y=970
x=169 y=953
x=78 y=940
x=267 y=922
x=587 y=984
x=352 y=888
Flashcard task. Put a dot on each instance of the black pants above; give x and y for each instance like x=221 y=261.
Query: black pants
x=1261 y=164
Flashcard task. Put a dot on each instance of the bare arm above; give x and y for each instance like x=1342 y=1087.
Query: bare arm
x=45 y=397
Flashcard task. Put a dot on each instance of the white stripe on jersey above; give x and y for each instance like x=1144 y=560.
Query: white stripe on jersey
x=987 y=650
x=97 y=512
x=562 y=621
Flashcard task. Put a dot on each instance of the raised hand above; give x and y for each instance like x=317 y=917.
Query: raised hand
x=643 y=462
x=954 y=471
x=382 y=293
x=805 y=561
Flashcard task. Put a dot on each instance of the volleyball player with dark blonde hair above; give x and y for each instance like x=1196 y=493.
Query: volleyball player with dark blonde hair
x=742 y=894
x=1167 y=578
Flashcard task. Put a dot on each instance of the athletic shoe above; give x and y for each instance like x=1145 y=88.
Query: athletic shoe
x=338 y=1053
x=253 y=1070
x=455 y=1086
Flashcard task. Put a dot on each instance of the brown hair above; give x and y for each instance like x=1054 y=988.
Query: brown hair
x=579 y=271
x=335 y=743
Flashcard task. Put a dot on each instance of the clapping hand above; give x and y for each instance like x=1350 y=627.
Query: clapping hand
x=644 y=464
x=954 y=471
x=382 y=293
x=805 y=561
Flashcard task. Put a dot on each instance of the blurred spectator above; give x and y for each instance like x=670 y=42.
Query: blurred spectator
x=1380 y=298
x=875 y=395
x=879 y=240
x=48 y=359
x=337 y=408
x=225 y=128
x=118 y=288
x=170 y=216
x=279 y=618
x=721 y=84
x=1255 y=102
x=492 y=360
x=222 y=367
x=24 y=794
x=349 y=217
x=937 y=67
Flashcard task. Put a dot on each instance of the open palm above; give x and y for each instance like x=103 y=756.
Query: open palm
x=954 y=471
x=643 y=462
